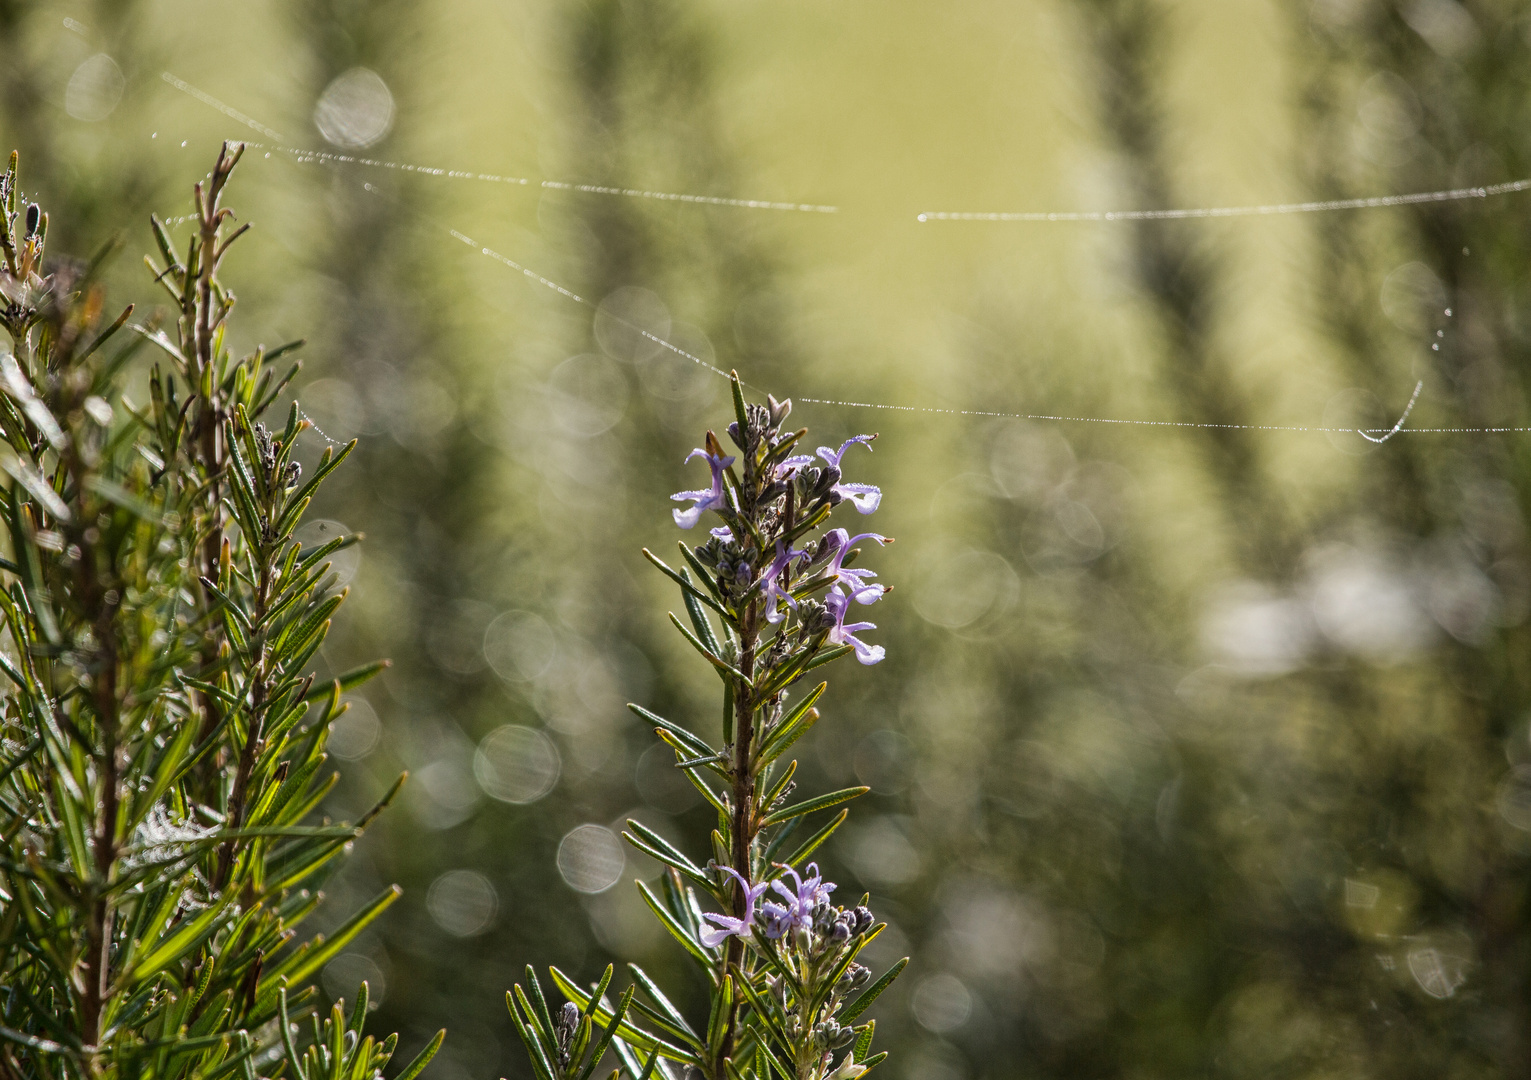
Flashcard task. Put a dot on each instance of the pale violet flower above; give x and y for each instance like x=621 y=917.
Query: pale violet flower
x=841 y=633
x=856 y=581
x=712 y=498
x=864 y=497
x=772 y=582
x=802 y=902
x=726 y=926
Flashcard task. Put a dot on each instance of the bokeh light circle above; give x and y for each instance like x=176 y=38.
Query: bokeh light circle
x=355 y=110
x=591 y=859
x=941 y=1003
x=94 y=89
x=516 y=764
x=354 y=734
x=520 y=646
x=345 y=974
x=462 y=902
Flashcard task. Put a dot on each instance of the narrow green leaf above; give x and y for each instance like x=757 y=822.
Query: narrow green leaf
x=792 y=727
x=317 y=958
x=350 y=680
x=863 y=1040
x=873 y=992
x=716 y=661
x=651 y=843
x=722 y=1009
x=692 y=743
x=610 y=1033
x=740 y=413
x=820 y=802
x=676 y=930
x=190 y=935
x=827 y=656
x=690 y=591
x=423 y=1058
x=779 y=789
x=529 y=1037
x=813 y=842
x=657 y=996
x=642 y=1039
x=600 y=989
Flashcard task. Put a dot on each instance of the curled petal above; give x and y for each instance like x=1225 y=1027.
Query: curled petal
x=867 y=654
x=726 y=927
x=868 y=594
x=717 y=463
x=864 y=497
x=688 y=517
x=792 y=464
x=834 y=456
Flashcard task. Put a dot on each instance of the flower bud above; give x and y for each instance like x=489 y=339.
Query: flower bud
x=853 y=977
x=864 y=920
x=34 y=219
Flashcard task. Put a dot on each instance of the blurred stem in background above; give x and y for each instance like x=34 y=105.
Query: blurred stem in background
x=1176 y=266
x=1440 y=100
x=398 y=380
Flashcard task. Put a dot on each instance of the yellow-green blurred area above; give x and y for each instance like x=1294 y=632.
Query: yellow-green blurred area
x=1199 y=750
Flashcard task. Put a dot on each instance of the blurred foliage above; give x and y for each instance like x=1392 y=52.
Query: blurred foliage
x=1197 y=750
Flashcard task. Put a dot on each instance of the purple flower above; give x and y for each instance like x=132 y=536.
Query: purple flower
x=865 y=497
x=707 y=498
x=855 y=581
x=790 y=465
x=772 y=581
x=837 y=604
x=797 y=912
x=726 y=926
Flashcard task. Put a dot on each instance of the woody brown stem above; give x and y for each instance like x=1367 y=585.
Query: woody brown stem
x=744 y=822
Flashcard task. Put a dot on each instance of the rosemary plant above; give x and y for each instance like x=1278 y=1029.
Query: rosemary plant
x=766 y=598
x=163 y=737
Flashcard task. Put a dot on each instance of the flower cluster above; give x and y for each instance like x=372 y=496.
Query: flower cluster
x=767 y=597
x=781 y=498
x=807 y=909
x=805 y=940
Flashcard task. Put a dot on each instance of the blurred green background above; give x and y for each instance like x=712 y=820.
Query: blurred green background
x=1199 y=751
